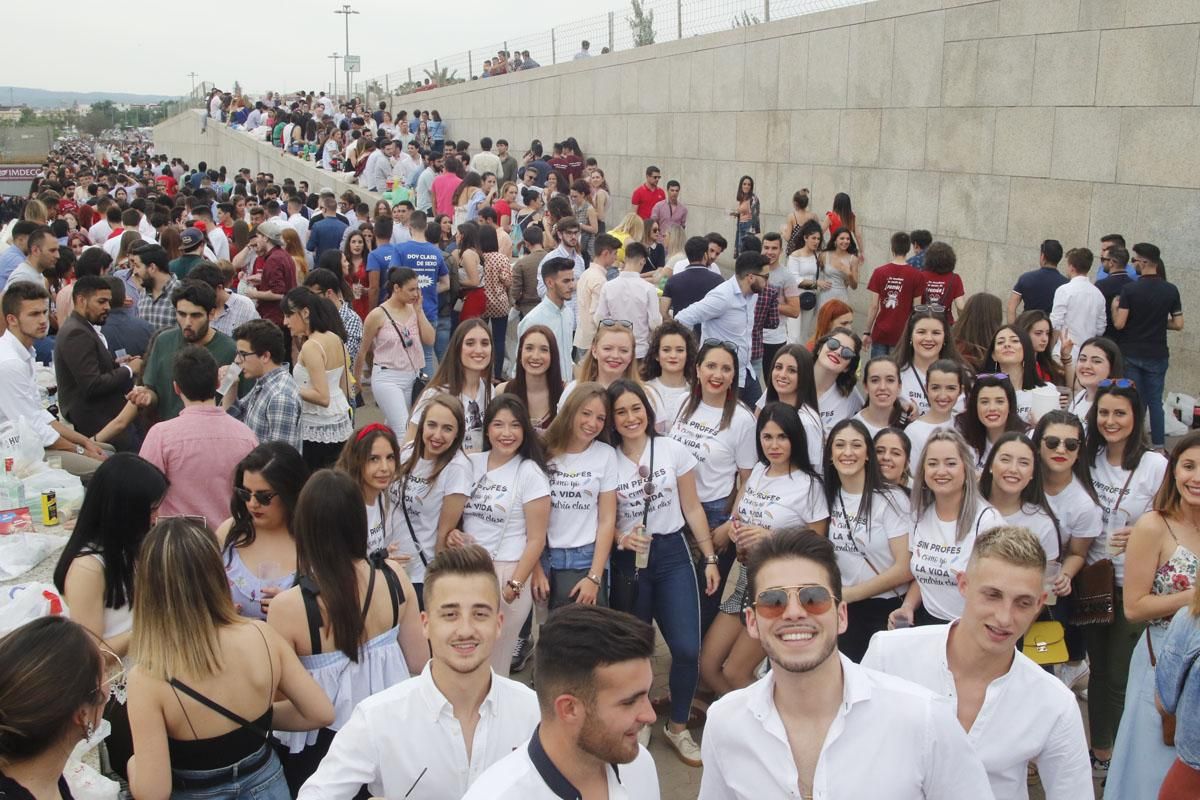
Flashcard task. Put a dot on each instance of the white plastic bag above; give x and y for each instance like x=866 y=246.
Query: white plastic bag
x=85 y=781
x=67 y=488
x=20 y=442
x=26 y=602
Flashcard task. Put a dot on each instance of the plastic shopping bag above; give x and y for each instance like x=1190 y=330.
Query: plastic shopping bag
x=85 y=781
x=26 y=602
x=20 y=442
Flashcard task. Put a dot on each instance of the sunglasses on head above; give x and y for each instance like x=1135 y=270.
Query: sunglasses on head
x=1052 y=442
x=1000 y=376
x=1120 y=383
x=724 y=345
x=263 y=498
x=813 y=598
x=612 y=323
x=832 y=345
x=931 y=308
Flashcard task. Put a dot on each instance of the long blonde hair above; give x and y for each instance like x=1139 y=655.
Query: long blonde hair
x=182 y=601
x=922 y=495
x=632 y=225
x=558 y=437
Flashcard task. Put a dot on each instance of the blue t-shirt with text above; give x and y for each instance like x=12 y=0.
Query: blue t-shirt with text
x=426 y=260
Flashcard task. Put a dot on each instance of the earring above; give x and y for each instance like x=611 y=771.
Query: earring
x=89 y=731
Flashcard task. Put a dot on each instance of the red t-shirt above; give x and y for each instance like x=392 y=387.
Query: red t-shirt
x=896 y=285
x=645 y=198
x=942 y=290
x=168 y=184
x=502 y=210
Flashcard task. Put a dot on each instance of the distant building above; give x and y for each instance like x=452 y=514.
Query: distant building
x=10 y=113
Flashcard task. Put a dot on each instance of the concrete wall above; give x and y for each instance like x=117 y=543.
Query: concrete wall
x=993 y=123
x=185 y=136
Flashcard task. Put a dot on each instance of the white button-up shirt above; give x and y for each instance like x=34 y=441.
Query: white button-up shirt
x=727 y=314
x=562 y=252
x=406 y=742
x=528 y=774
x=890 y=738
x=1027 y=714
x=1079 y=308
x=628 y=296
x=19 y=396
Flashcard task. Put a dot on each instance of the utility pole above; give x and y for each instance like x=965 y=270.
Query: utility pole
x=346 y=11
x=193 y=76
x=335 y=58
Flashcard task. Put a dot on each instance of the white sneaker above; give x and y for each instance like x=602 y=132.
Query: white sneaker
x=644 y=736
x=685 y=746
x=1073 y=675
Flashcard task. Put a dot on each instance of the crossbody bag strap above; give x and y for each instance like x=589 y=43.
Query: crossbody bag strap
x=1124 y=487
x=408 y=521
x=399 y=335
x=853 y=541
x=650 y=477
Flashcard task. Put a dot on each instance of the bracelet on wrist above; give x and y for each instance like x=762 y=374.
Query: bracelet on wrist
x=594 y=578
x=711 y=560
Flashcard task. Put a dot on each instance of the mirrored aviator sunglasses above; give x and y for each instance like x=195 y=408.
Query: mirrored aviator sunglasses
x=772 y=603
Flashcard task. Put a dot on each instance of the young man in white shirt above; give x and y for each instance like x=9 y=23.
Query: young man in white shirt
x=1014 y=712
x=1078 y=309
x=630 y=297
x=593 y=685
x=818 y=725
x=434 y=734
x=587 y=292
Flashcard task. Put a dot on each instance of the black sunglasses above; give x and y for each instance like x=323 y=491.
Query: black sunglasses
x=846 y=352
x=1053 y=442
x=644 y=474
x=1120 y=383
x=724 y=345
x=263 y=498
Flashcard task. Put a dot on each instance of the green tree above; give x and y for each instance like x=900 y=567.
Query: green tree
x=641 y=24
x=28 y=117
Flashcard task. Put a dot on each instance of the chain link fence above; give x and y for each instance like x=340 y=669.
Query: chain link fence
x=643 y=22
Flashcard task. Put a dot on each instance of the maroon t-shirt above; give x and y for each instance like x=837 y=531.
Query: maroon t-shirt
x=896 y=285
x=942 y=290
x=278 y=276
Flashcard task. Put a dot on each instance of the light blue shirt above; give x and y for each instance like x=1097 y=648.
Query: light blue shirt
x=559 y=319
x=9 y=260
x=1178 y=682
x=727 y=314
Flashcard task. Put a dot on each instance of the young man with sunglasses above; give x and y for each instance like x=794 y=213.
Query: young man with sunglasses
x=1014 y=712
x=819 y=725
x=436 y=733
x=593 y=686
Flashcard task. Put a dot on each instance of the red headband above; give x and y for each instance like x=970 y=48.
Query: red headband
x=369 y=429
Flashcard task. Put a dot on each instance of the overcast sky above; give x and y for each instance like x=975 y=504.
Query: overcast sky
x=150 y=47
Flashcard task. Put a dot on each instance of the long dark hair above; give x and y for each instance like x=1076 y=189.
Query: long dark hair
x=1044 y=359
x=450 y=371
x=331 y=536
x=625 y=386
x=519 y=385
x=788 y=421
x=356 y=453
x=806 y=387
x=842 y=207
x=1029 y=376
x=897 y=410
x=1136 y=447
x=976 y=327
x=1083 y=468
x=697 y=393
x=113 y=521
x=323 y=315
x=743 y=196
x=50 y=667
x=831 y=244
x=873 y=481
x=1034 y=493
x=651 y=368
x=848 y=377
x=904 y=350
x=285 y=472
x=531 y=445
x=971 y=427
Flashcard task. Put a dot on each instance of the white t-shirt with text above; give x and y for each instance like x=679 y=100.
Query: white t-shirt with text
x=576 y=482
x=495 y=512
x=720 y=451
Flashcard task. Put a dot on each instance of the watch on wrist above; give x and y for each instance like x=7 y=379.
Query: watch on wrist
x=594 y=578
x=712 y=559
x=79 y=450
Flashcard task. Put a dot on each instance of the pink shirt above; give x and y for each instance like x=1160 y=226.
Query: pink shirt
x=443 y=187
x=198 y=451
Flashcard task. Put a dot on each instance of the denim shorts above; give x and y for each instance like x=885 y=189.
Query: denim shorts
x=235 y=783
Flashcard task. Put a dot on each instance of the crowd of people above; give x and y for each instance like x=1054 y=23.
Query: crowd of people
x=911 y=535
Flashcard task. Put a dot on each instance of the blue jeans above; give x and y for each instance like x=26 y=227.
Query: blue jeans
x=265 y=783
x=710 y=605
x=442 y=342
x=878 y=350
x=1150 y=375
x=567 y=566
x=750 y=393
x=667 y=594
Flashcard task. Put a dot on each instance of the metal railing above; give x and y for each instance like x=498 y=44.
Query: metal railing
x=642 y=22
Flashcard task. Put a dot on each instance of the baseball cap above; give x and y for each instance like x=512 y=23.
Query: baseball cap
x=192 y=238
x=272 y=230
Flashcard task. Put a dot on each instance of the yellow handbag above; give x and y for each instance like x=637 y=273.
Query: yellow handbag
x=1045 y=643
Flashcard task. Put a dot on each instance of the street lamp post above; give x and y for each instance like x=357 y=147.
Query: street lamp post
x=335 y=58
x=346 y=11
x=192 y=75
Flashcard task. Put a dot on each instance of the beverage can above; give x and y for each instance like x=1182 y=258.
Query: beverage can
x=49 y=508
x=641 y=560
